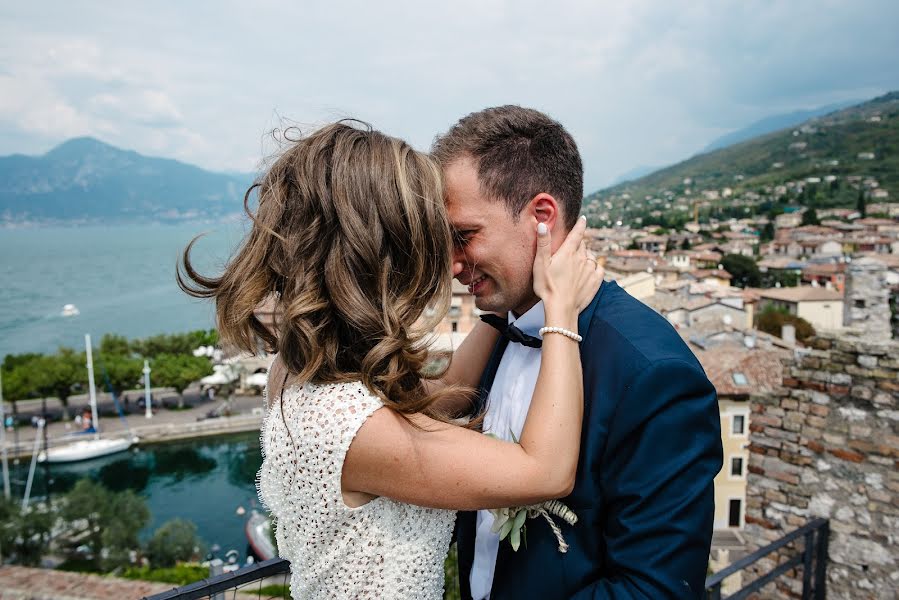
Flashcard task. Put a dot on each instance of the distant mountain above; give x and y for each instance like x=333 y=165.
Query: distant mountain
x=85 y=179
x=861 y=140
x=774 y=123
x=635 y=173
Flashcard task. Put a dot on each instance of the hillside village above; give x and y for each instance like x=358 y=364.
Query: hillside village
x=844 y=160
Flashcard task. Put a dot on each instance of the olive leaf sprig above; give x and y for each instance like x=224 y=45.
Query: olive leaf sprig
x=510 y=522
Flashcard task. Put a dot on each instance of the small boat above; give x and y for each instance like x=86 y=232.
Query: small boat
x=70 y=310
x=86 y=450
x=258 y=530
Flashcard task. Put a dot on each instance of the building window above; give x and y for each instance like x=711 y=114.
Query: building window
x=733 y=513
x=455 y=326
x=736 y=466
x=859 y=304
x=739 y=425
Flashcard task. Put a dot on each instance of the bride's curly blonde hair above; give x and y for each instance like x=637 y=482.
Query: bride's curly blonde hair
x=352 y=236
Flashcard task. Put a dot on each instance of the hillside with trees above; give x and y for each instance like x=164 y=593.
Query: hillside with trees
x=821 y=163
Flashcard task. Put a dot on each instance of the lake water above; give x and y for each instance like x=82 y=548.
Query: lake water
x=121 y=278
x=203 y=481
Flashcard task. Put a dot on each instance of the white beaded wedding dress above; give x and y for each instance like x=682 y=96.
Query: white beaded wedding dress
x=382 y=549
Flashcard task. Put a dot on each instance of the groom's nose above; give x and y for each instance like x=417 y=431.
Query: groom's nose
x=458 y=260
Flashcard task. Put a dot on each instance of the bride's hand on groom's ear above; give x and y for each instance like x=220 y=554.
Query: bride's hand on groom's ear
x=569 y=278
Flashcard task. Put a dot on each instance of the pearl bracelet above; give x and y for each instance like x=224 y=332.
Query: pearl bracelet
x=567 y=333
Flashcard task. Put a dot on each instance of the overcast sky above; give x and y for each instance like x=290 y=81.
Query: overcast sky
x=636 y=82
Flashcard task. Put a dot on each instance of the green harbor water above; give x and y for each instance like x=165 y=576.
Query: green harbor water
x=203 y=480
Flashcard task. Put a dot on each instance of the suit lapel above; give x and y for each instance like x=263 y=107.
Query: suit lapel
x=489 y=374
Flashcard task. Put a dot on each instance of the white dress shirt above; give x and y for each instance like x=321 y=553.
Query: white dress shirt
x=507 y=409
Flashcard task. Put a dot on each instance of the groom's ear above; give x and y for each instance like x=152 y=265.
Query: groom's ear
x=544 y=208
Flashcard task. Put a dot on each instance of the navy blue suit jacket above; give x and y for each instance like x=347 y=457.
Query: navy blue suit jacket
x=644 y=496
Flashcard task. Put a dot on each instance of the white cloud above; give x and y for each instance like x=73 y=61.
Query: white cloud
x=33 y=105
x=642 y=82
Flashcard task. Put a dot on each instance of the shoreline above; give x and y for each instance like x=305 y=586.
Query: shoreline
x=160 y=434
x=166 y=425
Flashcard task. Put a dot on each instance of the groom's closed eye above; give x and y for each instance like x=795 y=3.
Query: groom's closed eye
x=461 y=238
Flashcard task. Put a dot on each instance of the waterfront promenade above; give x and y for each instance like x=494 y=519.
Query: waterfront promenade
x=166 y=424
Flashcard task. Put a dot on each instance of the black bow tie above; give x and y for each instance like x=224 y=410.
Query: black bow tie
x=510 y=332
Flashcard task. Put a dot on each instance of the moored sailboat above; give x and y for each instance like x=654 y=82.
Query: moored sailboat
x=90 y=448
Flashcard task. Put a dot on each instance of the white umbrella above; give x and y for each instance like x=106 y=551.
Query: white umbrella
x=256 y=380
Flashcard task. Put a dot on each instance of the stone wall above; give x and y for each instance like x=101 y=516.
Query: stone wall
x=827 y=445
x=866 y=302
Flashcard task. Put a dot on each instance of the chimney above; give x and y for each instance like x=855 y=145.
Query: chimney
x=788 y=334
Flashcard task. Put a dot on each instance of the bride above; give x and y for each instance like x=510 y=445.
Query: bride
x=363 y=468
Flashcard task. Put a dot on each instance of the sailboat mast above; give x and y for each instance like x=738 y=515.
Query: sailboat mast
x=90 y=382
x=3 y=443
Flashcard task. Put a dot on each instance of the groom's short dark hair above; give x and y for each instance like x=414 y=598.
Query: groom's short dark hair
x=519 y=153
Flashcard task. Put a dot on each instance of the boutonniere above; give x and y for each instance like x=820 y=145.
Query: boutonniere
x=510 y=522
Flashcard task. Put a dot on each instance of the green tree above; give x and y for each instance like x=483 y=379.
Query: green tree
x=685 y=245
x=767 y=232
x=772 y=320
x=57 y=375
x=810 y=217
x=24 y=535
x=111 y=521
x=743 y=269
x=179 y=371
x=115 y=344
x=87 y=504
x=861 y=204
x=18 y=376
x=11 y=361
x=9 y=514
x=126 y=515
x=174 y=541
x=42 y=376
x=204 y=337
x=777 y=278
x=118 y=372
x=18 y=384
x=178 y=343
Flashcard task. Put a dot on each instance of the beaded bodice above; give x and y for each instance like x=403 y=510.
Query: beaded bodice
x=382 y=549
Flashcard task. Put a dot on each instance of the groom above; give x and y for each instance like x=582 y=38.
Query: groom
x=651 y=442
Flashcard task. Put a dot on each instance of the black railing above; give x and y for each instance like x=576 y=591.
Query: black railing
x=235 y=582
x=812 y=560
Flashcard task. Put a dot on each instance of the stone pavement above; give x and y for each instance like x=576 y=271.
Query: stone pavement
x=23 y=583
